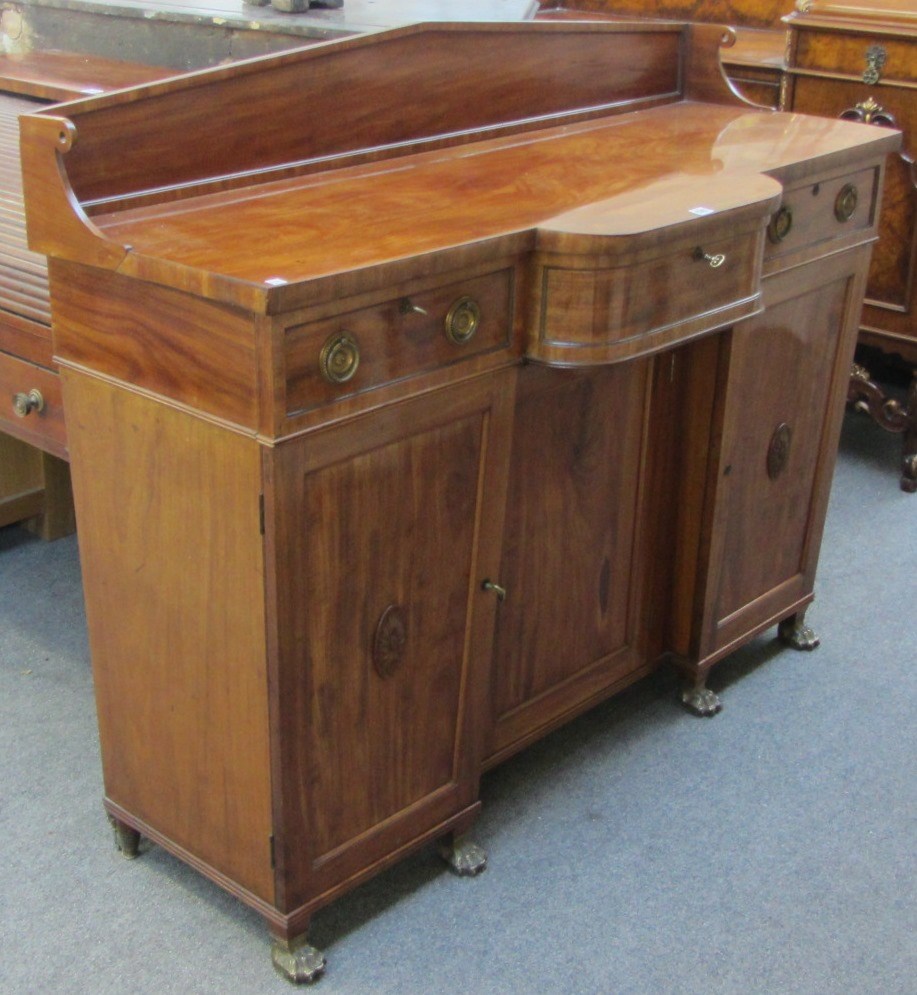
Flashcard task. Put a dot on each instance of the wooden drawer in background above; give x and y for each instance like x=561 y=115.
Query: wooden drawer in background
x=44 y=428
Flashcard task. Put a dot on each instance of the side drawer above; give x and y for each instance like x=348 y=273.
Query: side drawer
x=42 y=423
x=395 y=340
x=818 y=212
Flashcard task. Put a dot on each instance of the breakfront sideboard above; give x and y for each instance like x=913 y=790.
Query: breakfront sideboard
x=404 y=431
x=857 y=59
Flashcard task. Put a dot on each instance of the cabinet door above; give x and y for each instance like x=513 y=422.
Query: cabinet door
x=385 y=529
x=785 y=375
x=568 y=632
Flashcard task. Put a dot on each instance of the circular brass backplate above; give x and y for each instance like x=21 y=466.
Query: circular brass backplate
x=339 y=358
x=462 y=320
x=780 y=224
x=846 y=202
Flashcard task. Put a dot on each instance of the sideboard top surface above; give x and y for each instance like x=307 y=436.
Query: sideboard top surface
x=269 y=200
x=668 y=162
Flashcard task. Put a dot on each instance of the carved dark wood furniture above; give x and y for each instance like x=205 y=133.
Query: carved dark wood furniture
x=34 y=477
x=857 y=59
x=402 y=432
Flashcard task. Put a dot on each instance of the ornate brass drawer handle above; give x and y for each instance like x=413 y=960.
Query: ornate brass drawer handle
x=780 y=224
x=339 y=358
x=845 y=204
x=25 y=404
x=713 y=261
x=462 y=320
x=869 y=112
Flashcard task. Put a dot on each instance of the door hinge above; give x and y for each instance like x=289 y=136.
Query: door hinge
x=273 y=851
x=261 y=512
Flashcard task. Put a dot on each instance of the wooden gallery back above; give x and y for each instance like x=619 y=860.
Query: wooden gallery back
x=412 y=417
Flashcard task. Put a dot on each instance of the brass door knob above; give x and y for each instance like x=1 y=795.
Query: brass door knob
x=339 y=359
x=462 y=320
x=25 y=404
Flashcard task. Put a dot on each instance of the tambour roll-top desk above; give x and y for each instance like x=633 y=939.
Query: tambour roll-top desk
x=424 y=389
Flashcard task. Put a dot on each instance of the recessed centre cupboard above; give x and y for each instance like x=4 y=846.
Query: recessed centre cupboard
x=424 y=389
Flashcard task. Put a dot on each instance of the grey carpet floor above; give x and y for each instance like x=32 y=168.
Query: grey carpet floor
x=772 y=849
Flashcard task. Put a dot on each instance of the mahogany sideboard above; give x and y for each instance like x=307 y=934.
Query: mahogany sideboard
x=857 y=59
x=402 y=432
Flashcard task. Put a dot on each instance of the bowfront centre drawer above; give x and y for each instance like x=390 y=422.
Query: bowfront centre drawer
x=818 y=212
x=32 y=410
x=398 y=339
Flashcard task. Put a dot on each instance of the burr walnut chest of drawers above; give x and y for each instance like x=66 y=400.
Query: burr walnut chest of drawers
x=858 y=61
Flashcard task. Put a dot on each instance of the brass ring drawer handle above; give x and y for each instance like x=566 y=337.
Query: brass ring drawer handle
x=713 y=261
x=462 y=320
x=845 y=204
x=25 y=404
x=339 y=359
x=780 y=224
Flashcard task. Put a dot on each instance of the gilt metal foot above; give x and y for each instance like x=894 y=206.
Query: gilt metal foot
x=297 y=961
x=700 y=700
x=463 y=857
x=127 y=839
x=794 y=632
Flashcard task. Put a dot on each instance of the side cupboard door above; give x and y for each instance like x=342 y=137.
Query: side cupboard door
x=382 y=531
x=785 y=375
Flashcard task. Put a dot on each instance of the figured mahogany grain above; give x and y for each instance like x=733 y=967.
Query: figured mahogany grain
x=358 y=102
x=428 y=205
x=196 y=352
x=572 y=549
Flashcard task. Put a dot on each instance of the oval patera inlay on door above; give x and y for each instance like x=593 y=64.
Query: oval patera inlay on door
x=390 y=640
x=778 y=452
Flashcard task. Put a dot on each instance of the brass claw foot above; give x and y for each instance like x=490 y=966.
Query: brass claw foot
x=701 y=700
x=794 y=632
x=297 y=961
x=463 y=857
x=127 y=839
